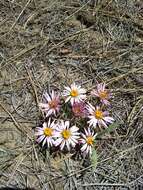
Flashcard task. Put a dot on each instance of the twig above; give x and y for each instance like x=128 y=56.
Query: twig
x=104 y=184
x=110 y=81
x=19 y=127
x=34 y=88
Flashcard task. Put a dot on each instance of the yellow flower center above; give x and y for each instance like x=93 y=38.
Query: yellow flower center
x=48 y=132
x=103 y=94
x=66 y=134
x=99 y=114
x=90 y=140
x=53 y=104
x=74 y=93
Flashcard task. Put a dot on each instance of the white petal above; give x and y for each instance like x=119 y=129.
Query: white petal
x=47 y=97
x=74 y=129
x=58 y=141
x=102 y=123
x=44 y=106
x=67 y=124
x=53 y=94
x=39 y=133
x=40 y=138
x=68 y=146
x=82 y=91
x=87 y=149
x=72 y=100
x=74 y=140
x=67 y=88
x=90 y=150
x=44 y=141
x=84 y=147
x=73 y=86
x=49 y=113
x=83 y=135
x=62 y=145
x=67 y=99
x=81 y=97
x=72 y=143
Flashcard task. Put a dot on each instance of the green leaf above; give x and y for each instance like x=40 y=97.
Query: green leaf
x=110 y=128
x=93 y=158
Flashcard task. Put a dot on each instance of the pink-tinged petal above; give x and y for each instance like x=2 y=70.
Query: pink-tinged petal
x=108 y=119
x=103 y=86
x=105 y=113
x=106 y=102
x=95 y=93
x=99 y=87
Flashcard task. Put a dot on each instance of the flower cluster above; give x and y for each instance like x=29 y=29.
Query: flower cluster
x=74 y=122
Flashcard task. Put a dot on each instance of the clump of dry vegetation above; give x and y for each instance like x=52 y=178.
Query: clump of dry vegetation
x=46 y=44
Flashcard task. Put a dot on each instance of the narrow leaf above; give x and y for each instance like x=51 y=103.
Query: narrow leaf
x=94 y=158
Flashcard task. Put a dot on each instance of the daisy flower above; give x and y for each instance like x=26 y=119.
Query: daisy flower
x=74 y=93
x=98 y=117
x=79 y=109
x=51 y=105
x=66 y=135
x=46 y=133
x=87 y=141
x=102 y=93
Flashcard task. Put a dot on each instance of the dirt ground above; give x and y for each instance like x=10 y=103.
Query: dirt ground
x=46 y=44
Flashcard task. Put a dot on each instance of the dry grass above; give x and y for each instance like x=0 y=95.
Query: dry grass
x=45 y=44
